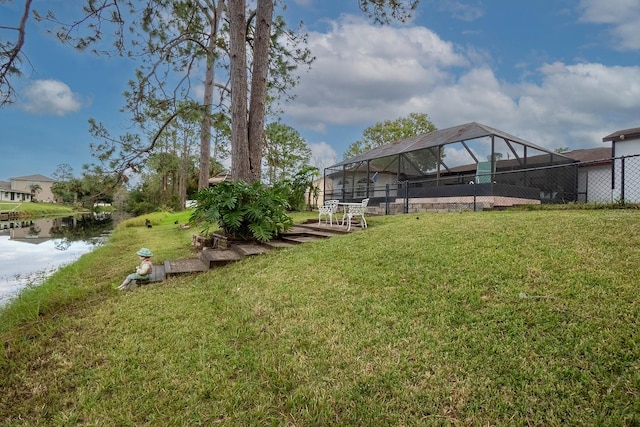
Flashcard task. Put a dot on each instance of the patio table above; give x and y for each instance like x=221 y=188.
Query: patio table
x=345 y=210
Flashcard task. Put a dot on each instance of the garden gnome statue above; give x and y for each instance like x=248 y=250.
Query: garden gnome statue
x=143 y=271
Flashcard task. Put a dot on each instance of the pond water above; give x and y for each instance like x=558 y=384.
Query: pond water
x=31 y=250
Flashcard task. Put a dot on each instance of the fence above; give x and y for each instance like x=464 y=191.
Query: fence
x=602 y=181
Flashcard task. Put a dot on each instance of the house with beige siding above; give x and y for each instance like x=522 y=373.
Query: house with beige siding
x=8 y=194
x=19 y=189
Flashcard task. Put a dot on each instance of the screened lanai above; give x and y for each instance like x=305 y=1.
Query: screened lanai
x=452 y=164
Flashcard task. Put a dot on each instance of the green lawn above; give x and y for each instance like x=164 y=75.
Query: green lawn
x=35 y=208
x=488 y=318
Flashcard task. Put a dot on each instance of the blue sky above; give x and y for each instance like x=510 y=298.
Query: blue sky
x=559 y=73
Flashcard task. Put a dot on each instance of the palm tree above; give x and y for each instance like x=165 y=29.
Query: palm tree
x=35 y=188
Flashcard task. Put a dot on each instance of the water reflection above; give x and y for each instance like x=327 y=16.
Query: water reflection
x=31 y=250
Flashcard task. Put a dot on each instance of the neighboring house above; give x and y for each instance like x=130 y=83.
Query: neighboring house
x=438 y=166
x=594 y=174
x=323 y=185
x=509 y=171
x=20 y=188
x=626 y=168
x=221 y=177
x=34 y=231
x=10 y=195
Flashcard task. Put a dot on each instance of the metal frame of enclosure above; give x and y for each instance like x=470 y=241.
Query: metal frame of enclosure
x=457 y=162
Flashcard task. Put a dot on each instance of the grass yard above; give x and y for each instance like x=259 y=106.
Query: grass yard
x=35 y=208
x=489 y=318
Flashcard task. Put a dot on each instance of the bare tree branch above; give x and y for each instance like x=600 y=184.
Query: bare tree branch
x=384 y=11
x=10 y=54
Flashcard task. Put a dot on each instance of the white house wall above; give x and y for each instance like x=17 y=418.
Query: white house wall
x=630 y=150
x=45 y=194
x=356 y=190
x=594 y=184
x=14 y=196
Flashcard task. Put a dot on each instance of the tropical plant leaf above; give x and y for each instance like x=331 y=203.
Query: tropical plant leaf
x=243 y=211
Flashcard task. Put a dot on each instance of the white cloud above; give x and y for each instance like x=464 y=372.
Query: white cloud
x=476 y=96
x=609 y=12
x=363 y=71
x=622 y=15
x=571 y=105
x=592 y=88
x=576 y=102
x=366 y=74
x=322 y=155
x=50 y=97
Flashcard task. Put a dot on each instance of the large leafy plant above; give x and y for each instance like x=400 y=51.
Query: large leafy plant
x=294 y=189
x=242 y=211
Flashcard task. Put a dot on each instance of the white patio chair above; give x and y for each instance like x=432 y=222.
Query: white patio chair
x=357 y=211
x=329 y=208
x=333 y=203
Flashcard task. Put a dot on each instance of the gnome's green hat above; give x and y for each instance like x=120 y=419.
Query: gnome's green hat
x=145 y=253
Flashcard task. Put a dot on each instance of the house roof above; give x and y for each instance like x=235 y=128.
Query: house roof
x=437 y=138
x=588 y=155
x=34 y=240
x=372 y=169
x=36 y=177
x=585 y=157
x=222 y=176
x=6 y=186
x=621 y=135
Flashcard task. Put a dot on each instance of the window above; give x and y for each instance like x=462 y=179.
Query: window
x=361 y=187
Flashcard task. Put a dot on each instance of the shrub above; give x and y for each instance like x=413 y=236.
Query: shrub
x=294 y=189
x=242 y=211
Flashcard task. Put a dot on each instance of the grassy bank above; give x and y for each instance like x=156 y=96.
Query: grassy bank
x=90 y=278
x=30 y=209
x=521 y=318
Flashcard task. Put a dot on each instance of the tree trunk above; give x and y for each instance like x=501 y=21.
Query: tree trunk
x=184 y=165
x=205 y=125
x=262 y=44
x=205 y=128
x=240 y=166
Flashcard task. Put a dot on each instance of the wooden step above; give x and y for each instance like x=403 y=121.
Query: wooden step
x=219 y=257
x=157 y=275
x=335 y=229
x=182 y=266
x=249 y=249
x=300 y=238
x=299 y=229
x=275 y=244
x=210 y=258
x=309 y=232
